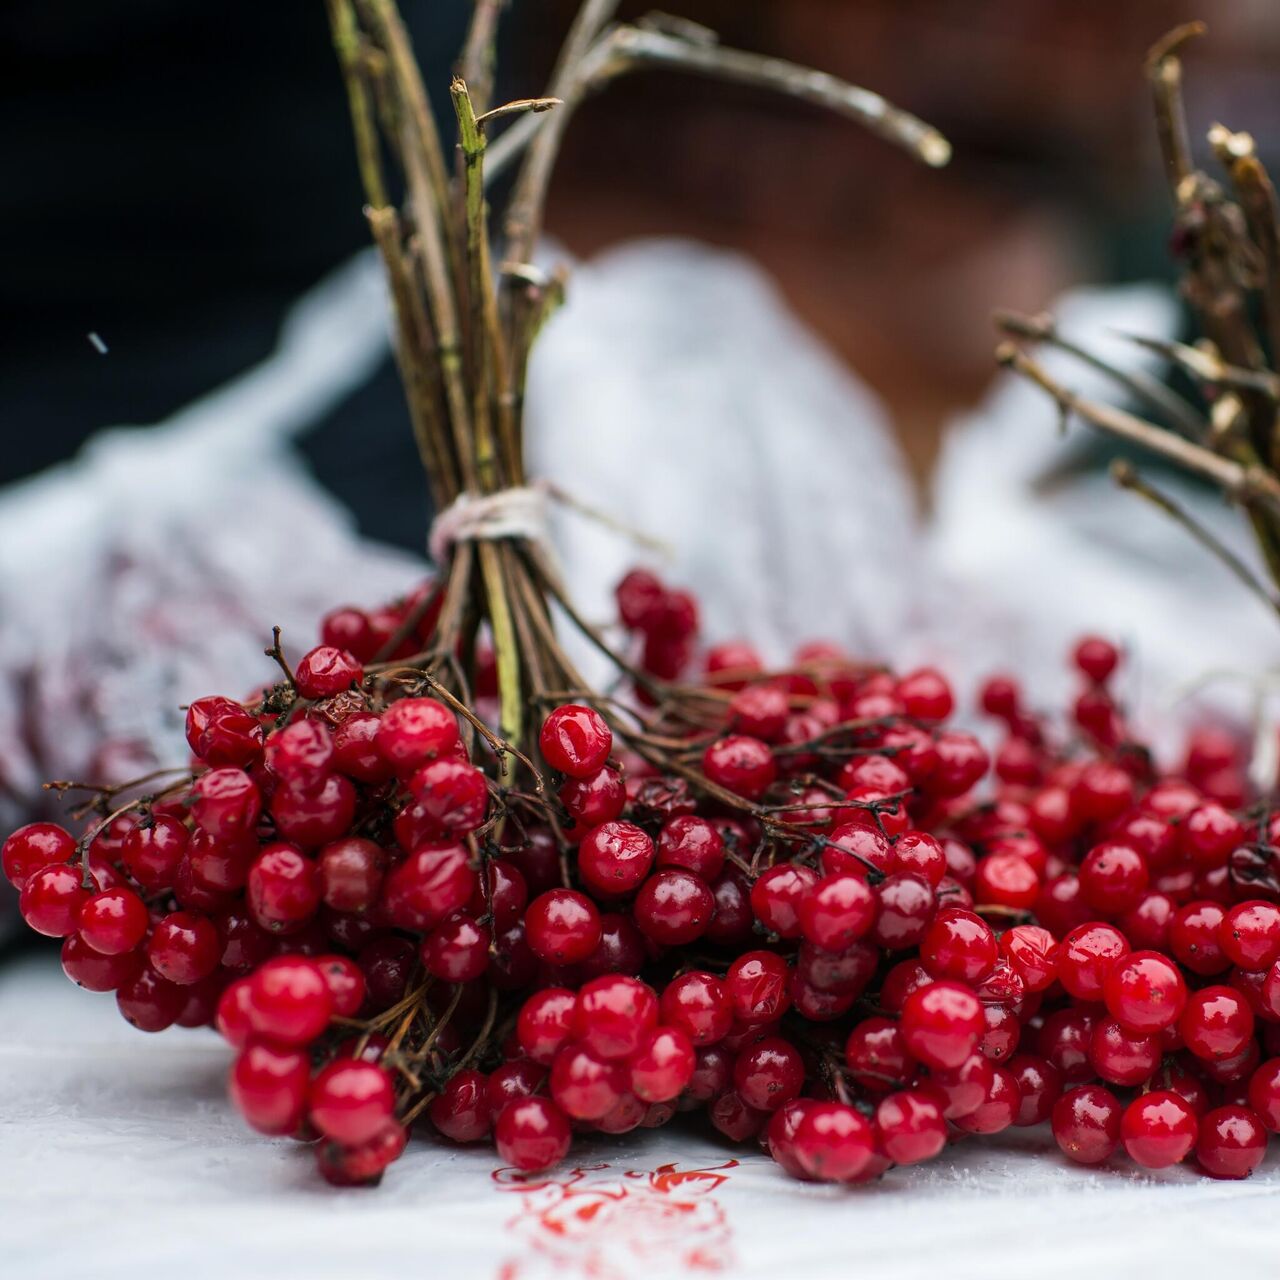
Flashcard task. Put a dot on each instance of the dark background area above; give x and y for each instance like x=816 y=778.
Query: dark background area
x=176 y=175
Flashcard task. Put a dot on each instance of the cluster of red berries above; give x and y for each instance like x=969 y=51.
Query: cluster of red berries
x=815 y=918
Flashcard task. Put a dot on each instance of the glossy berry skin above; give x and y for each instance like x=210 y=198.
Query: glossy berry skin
x=431 y=883
x=222 y=732
x=613 y=1016
x=1231 y=1142
x=51 y=900
x=226 y=803
x=351 y=1101
x=926 y=695
x=1145 y=992
x=92 y=970
x=768 y=1073
x=673 y=908
x=833 y=1142
x=1033 y=954
x=33 y=847
x=1088 y=955
x=1039 y=1087
x=1264 y=1093
x=662 y=1066
x=837 y=912
x=545 y=1023
x=461 y=1110
x=532 y=1134
x=269 y=1087
x=759 y=711
x=349 y=873
x=1250 y=934
x=699 y=1005
x=457 y=949
x=1158 y=1129
x=1195 y=938
x=941 y=1024
x=413 y=731
x=184 y=947
x=575 y=740
x=151 y=853
x=693 y=844
x=1112 y=878
x=149 y=1002
x=778 y=895
x=584 y=1086
x=594 y=800
x=1121 y=1057
x=1096 y=658
x=301 y=755
x=998 y=1108
x=326 y=670
x=959 y=945
x=113 y=922
x=1217 y=1023
x=740 y=764
x=1086 y=1124
x=757 y=984
x=283 y=888
x=289 y=1000
x=615 y=858
x=452 y=795
x=877 y=1056
x=910 y=1126
x=562 y=926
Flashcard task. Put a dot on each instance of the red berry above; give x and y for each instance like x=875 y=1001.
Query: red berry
x=1145 y=992
x=698 y=1004
x=184 y=947
x=1250 y=934
x=431 y=883
x=757 y=984
x=910 y=1126
x=51 y=899
x=998 y=1107
x=349 y=872
x=1088 y=955
x=461 y=1110
x=351 y=1101
x=562 y=926
x=740 y=764
x=1264 y=1093
x=1086 y=1124
x=584 y=1086
x=415 y=730
x=1217 y=1023
x=776 y=898
x=615 y=858
x=926 y=695
x=1039 y=1087
x=222 y=732
x=326 y=670
x=942 y=1024
x=959 y=945
x=1122 y=1057
x=837 y=912
x=151 y=853
x=759 y=711
x=575 y=740
x=453 y=796
x=833 y=1142
x=226 y=803
x=691 y=843
x=1113 y=877
x=673 y=908
x=92 y=970
x=594 y=800
x=113 y=922
x=545 y=1023
x=613 y=1016
x=289 y=1000
x=876 y=1055
x=1195 y=938
x=1231 y=1142
x=1033 y=954
x=269 y=1087
x=639 y=596
x=457 y=949
x=149 y=1002
x=1158 y=1129
x=283 y=888
x=662 y=1066
x=532 y=1134
x=34 y=847
x=768 y=1073
x=1095 y=658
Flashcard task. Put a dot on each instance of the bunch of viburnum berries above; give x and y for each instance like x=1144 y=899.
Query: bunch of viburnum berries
x=822 y=924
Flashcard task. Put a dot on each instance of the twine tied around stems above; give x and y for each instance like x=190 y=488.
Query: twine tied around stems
x=519 y=512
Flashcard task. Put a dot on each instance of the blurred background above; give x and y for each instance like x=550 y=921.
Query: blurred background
x=177 y=175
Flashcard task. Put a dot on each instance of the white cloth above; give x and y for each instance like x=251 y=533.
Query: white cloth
x=120 y=1158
